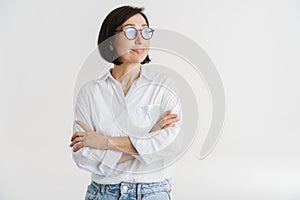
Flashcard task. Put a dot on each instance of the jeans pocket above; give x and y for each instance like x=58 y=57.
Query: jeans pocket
x=91 y=193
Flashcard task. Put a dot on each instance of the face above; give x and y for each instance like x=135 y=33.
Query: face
x=131 y=51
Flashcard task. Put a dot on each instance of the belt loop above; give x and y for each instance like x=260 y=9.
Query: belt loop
x=138 y=191
x=102 y=188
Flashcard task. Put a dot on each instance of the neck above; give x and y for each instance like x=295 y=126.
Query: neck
x=126 y=73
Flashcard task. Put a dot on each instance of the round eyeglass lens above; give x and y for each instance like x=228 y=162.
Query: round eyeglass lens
x=130 y=33
x=147 y=33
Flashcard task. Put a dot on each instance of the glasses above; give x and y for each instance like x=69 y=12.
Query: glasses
x=131 y=33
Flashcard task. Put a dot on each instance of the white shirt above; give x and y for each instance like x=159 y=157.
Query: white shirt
x=101 y=105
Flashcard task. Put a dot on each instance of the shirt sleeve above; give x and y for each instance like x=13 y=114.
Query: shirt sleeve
x=161 y=145
x=97 y=161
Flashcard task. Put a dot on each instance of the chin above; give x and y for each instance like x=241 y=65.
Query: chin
x=134 y=59
x=137 y=60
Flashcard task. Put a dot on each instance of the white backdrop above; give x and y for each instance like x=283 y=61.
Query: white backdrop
x=255 y=46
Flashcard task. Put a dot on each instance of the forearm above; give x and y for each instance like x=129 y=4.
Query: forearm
x=122 y=144
x=125 y=157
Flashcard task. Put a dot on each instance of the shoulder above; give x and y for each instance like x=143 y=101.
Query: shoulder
x=88 y=88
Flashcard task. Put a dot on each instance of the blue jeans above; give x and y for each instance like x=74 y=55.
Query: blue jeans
x=129 y=191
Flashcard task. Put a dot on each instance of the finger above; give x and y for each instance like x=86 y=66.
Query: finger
x=76 y=140
x=164 y=116
x=77 y=134
x=171 y=116
x=78 y=146
x=170 y=125
x=162 y=120
x=171 y=120
x=85 y=127
x=168 y=112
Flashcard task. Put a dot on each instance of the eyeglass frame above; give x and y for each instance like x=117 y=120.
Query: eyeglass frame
x=137 y=30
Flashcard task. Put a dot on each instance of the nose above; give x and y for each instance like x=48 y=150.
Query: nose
x=138 y=39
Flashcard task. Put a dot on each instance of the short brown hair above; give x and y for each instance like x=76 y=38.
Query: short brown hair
x=112 y=21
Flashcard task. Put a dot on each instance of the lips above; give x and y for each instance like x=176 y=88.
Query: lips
x=138 y=50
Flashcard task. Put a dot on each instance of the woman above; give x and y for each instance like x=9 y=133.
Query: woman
x=112 y=138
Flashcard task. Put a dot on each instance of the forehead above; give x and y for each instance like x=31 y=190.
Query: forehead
x=135 y=20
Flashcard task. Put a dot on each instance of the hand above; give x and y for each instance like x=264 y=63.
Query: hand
x=125 y=157
x=166 y=120
x=89 y=138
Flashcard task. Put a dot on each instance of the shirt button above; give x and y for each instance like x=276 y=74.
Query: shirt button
x=125 y=187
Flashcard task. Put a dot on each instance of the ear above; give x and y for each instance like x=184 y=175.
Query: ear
x=110 y=45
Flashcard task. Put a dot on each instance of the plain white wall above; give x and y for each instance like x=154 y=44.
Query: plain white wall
x=255 y=46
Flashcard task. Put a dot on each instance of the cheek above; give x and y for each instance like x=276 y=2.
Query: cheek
x=147 y=43
x=122 y=46
x=122 y=50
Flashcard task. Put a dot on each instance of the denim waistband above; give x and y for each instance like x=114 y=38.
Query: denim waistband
x=134 y=188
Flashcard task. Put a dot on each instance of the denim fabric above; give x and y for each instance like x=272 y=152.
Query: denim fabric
x=129 y=191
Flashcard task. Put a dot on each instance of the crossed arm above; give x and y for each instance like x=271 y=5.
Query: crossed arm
x=99 y=154
x=92 y=139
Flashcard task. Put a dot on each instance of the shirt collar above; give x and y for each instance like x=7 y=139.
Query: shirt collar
x=145 y=73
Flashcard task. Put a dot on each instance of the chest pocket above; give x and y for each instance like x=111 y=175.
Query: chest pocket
x=148 y=115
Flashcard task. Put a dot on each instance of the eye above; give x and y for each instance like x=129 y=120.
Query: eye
x=130 y=32
x=147 y=33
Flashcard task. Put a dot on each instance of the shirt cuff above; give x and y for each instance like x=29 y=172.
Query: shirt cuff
x=142 y=147
x=109 y=161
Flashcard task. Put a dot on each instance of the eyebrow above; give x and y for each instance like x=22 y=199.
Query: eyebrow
x=133 y=25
